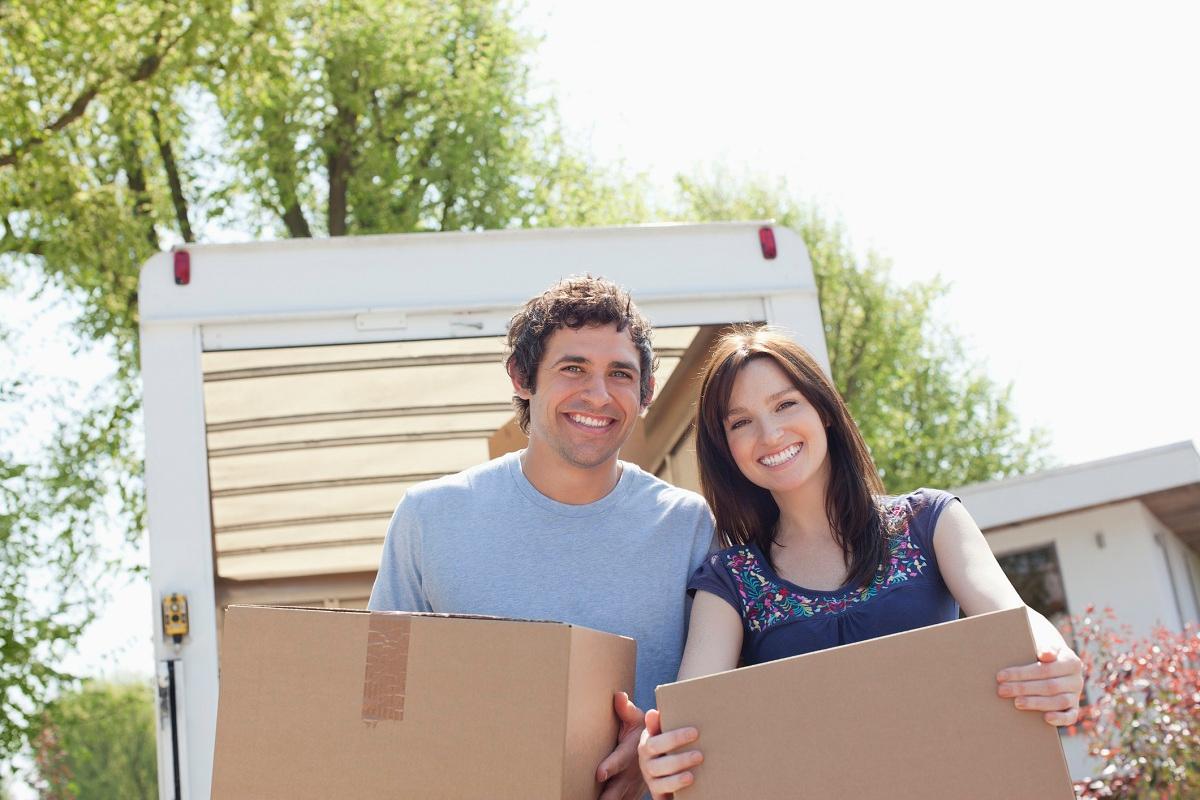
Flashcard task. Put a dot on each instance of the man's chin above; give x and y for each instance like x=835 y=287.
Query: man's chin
x=589 y=458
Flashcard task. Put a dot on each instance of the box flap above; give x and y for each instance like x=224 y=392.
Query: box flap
x=601 y=665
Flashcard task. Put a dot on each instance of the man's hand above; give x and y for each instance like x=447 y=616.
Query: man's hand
x=1052 y=685
x=619 y=771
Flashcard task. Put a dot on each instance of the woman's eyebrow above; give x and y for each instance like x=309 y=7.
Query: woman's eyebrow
x=739 y=410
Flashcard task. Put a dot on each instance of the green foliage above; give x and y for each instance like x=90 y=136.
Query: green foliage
x=127 y=128
x=98 y=742
x=51 y=508
x=930 y=415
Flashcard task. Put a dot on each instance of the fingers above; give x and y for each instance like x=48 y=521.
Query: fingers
x=627 y=712
x=664 y=770
x=1069 y=684
x=1056 y=665
x=663 y=743
x=1054 y=702
x=1061 y=718
x=665 y=787
x=625 y=754
x=665 y=766
x=619 y=760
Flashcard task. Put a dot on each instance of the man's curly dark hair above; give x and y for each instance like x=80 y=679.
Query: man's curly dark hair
x=575 y=302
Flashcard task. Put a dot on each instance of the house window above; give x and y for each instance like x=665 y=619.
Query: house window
x=1037 y=578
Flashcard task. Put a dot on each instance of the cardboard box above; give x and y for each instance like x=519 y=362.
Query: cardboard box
x=327 y=703
x=914 y=715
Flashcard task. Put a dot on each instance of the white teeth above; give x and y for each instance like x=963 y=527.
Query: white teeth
x=591 y=422
x=780 y=457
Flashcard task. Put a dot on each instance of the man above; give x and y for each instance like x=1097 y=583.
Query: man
x=563 y=529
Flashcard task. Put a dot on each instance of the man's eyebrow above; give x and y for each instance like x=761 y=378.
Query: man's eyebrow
x=568 y=359
x=739 y=410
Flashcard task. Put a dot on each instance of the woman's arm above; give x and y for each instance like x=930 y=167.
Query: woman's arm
x=713 y=644
x=1053 y=684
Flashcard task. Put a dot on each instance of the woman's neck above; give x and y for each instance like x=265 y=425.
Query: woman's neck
x=802 y=516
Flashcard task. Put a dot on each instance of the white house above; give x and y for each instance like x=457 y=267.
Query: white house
x=1122 y=532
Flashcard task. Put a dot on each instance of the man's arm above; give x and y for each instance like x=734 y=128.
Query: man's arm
x=398 y=584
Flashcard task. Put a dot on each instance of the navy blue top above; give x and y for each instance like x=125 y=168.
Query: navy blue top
x=781 y=619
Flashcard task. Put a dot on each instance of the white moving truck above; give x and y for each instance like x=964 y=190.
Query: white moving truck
x=294 y=389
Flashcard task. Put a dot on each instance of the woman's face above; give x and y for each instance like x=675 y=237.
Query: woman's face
x=776 y=436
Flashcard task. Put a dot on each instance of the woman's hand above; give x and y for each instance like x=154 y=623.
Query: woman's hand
x=664 y=770
x=1053 y=685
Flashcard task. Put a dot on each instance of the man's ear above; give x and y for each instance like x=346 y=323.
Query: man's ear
x=650 y=399
x=518 y=388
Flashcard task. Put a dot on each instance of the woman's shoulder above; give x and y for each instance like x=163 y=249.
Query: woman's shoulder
x=730 y=557
x=917 y=502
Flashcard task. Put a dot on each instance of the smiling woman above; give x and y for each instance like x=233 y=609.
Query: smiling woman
x=816 y=555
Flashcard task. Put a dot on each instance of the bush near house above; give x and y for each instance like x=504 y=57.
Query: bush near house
x=1144 y=722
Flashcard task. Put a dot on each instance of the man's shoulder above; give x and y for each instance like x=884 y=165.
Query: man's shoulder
x=653 y=489
x=472 y=484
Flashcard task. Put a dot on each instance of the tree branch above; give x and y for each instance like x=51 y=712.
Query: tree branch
x=339 y=160
x=145 y=69
x=173 y=180
x=18 y=245
x=136 y=176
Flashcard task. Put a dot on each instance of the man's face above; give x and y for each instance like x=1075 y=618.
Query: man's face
x=587 y=397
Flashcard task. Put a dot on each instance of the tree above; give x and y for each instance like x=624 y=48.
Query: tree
x=930 y=415
x=127 y=128
x=98 y=741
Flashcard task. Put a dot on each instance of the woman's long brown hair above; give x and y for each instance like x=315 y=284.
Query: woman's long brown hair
x=746 y=513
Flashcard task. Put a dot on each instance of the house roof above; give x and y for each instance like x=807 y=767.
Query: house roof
x=1166 y=479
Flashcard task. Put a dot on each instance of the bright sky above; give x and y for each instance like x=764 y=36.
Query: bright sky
x=1041 y=156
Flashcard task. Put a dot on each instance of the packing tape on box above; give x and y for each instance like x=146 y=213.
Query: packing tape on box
x=387 y=667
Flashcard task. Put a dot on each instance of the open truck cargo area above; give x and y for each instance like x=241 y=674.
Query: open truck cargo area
x=295 y=389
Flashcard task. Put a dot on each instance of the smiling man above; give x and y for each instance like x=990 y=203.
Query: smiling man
x=563 y=529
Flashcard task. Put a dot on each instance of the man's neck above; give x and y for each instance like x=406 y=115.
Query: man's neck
x=565 y=482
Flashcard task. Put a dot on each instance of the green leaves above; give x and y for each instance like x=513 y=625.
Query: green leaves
x=98 y=741
x=931 y=415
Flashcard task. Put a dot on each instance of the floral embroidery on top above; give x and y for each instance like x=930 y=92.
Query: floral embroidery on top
x=766 y=603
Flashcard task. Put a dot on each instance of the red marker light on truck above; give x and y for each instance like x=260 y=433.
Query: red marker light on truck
x=766 y=238
x=183 y=267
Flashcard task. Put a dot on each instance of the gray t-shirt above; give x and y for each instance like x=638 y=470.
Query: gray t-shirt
x=485 y=541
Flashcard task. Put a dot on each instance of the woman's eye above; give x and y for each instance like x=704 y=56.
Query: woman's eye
x=786 y=404
x=737 y=424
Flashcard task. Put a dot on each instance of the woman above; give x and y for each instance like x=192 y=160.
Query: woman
x=816 y=555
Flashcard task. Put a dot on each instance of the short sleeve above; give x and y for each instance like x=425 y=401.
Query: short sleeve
x=927 y=506
x=712 y=576
x=398 y=582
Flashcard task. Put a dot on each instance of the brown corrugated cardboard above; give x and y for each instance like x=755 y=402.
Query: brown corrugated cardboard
x=914 y=715
x=323 y=703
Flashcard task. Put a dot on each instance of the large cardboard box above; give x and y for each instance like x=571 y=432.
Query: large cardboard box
x=324 y=703
x=914 y=715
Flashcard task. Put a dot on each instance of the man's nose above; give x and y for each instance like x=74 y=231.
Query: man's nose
x=596 y=389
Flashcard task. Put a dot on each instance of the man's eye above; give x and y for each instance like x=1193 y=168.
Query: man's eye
x=572 y=368
x=623 y=374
